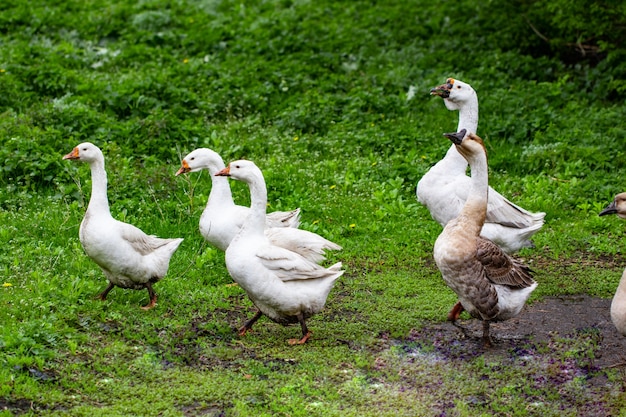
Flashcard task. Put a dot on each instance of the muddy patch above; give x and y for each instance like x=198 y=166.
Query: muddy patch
x=570 y=317
x=551 y=322
x=561 y=347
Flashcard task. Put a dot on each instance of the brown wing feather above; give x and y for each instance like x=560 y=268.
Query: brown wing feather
x=481 y=292
x=500 y=268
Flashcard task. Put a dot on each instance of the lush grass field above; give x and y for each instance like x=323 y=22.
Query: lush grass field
x=316 y=94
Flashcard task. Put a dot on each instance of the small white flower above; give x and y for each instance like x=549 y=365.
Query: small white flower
x=411 y=93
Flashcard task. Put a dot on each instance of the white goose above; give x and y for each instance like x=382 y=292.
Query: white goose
x=283 y=285
x=618 y=305
x=128 y=257
x=444 y=188
x=490 y=284
x=222 y=218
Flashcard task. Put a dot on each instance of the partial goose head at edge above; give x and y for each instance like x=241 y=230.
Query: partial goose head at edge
x=617 y=206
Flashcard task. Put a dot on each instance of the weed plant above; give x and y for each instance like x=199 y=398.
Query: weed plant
x=331 y=100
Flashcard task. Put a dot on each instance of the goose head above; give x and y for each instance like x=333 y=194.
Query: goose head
x=202 y=158
x=241 y=170
x=455 y=93
x=85 y=152
x=617 y=206
x=469 y=145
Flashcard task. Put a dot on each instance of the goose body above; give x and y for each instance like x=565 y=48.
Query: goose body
x=618 y=305
x=490 y=284
x=222 y=219
x=283 y=285
x=128 y=257
x=445 y=187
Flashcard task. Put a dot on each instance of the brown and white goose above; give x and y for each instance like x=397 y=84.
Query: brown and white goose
x=444 y=188
x=490 y=284
x=618 y=305
x=128 y=257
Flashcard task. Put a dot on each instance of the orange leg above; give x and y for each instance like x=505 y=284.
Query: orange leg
x=300 y=341
x=306 y=334
x=103 y=295
x=248 y=325
x=153 y=297
x=456 y=311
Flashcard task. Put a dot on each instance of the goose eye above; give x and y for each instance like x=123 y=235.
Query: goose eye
x=192 y=158
x=458 y=86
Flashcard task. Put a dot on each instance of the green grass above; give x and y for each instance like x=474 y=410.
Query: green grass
x=315 y=94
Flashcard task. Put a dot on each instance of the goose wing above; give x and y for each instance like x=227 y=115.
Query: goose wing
x=500 y=268
x=283 y=218
x=289 y=266
x=140 y=242
x=499 y=209
x=502 y=211
x=306 y=244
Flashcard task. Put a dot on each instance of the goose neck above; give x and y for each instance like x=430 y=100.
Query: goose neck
x=220 y=189
x=468 y=117
x=475 y=207
x=468 y=120
x=255 y=223
x=98 y=200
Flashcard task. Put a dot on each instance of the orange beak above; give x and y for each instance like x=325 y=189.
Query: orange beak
x=224 y=173
x=184 y=169
x=73 y=154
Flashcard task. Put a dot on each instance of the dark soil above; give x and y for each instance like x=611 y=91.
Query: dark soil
x=568 y=316
x=554 y=341
x=547 y=322
x=554 y=318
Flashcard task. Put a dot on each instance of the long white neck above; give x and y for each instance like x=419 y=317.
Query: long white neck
x=220 y=188
x=475 y=208
x=468 y=120
x=255 y=223
x=468 y=117
x=98 y=201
